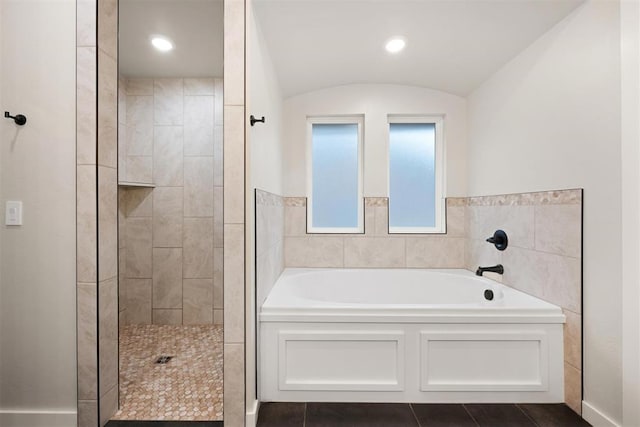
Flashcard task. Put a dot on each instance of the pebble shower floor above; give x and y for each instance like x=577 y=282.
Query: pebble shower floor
x=187 y=388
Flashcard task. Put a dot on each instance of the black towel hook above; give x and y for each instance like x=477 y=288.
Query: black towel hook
x=19 y=119
x=253 y=120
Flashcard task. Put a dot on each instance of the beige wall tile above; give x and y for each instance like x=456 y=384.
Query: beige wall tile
x=138 y=301
x=219 y=100
x=122 y=319
x=167 y=217
x=108 y=334
x=234 y=165
x=167 y=278
x=573 y=339
x=122 y=152
x=218 y=278
x=199 y=86
x=86 y=92
x=218 y=316
x=269 y=267
x=168 y=101
x=573 y=388
x=108 y=27
x=198 y=126
x=86 y=224
x=233 y=48
x=381 y=227
x=86 y=23
x=167 y=156
x=234 y=387
x=516 y=221
x=139 y=125
x=138 y=202
x=139 y=248
x=122 y=100
x=107 y=110
x=234 y=282
x=218 y=158
x=139 y=87
x=456 y=226
x=87 y=341
x=87 y=413
x=480 y=253
x=262 y=229
x=435 y=252
x=198 y=186
x=218 y=211
x=108 y=405
x=140 y=169
x=295 y=222
x=369 y=218
x=374 y=252
x=122 y=268
x=553 y=278
x=198 y=301
x=107 y=222
x=163 y=316
x=122 y=208
x=198 y=248
x=559 y=229
x=314 y=251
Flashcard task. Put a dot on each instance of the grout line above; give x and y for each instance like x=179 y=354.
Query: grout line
x=304 y=415
x=526 y=415
x=472 y=417
x=414 y=415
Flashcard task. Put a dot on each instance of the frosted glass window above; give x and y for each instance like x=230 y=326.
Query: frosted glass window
x=335 y=175
x=412 y=175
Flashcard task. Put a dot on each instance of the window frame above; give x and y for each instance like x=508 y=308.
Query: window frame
x=357 y=119
x=440 y=226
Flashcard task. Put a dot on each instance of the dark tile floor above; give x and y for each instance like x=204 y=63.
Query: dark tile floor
x=416 y=415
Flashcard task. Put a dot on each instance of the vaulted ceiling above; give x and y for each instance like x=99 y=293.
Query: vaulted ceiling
x=452 y=45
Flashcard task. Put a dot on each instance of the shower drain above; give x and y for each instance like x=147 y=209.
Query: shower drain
x=163 y=359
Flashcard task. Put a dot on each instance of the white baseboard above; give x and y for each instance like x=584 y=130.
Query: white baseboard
x=251 y=418
x=596 y=418
x=26 y=418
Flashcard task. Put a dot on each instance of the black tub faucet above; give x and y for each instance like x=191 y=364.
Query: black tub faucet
x=495 y=269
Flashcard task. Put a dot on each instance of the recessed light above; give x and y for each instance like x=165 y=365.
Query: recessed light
x=395 y=44
x=161 y=43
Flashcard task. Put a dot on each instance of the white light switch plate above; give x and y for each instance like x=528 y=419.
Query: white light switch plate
x=13 y=213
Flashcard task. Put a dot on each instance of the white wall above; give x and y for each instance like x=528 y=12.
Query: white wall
x=37 y=166
x=375 y=101
x=550 y=119
x=264 y=99
x=630 y=27
x=265 y=154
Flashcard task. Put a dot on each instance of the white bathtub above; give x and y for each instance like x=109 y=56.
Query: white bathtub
x=376 y=335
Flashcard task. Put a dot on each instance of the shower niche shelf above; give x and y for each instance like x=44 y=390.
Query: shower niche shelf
x=127 y=184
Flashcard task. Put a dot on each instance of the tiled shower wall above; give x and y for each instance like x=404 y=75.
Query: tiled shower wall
x=269 y=242
x=543 y=259
x=96 y=215
x=171 y=235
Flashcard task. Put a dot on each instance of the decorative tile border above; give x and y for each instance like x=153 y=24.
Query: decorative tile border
x=559 y=197
x=457 y=201
x=376 y=201
x=295 y=202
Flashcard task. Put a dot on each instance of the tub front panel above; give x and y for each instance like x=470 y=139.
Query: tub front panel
x=308 y=360
x=500 y=360
x=411 y=362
